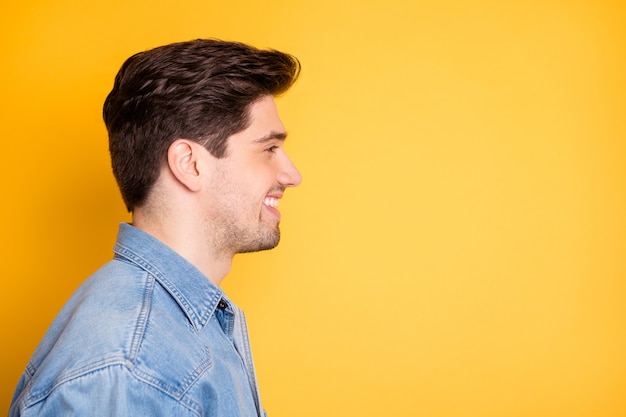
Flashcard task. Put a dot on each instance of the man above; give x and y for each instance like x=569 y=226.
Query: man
x=196 y=147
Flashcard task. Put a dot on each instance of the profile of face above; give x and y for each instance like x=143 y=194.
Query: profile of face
x=246 y=185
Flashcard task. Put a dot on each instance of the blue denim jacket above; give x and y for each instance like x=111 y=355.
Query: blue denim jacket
x=146 y=335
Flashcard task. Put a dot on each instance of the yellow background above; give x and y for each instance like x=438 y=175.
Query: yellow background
x=458 y=245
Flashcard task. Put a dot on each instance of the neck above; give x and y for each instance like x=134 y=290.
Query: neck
x=185 y=238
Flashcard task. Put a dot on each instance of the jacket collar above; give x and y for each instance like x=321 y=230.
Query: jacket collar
x=197 y=296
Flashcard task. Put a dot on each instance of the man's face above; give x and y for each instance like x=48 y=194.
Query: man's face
x=247 y=184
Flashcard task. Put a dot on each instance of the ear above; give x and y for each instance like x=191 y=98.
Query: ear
x=182 y=159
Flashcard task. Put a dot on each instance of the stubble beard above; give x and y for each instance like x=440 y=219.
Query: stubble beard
x=264 y=239
x=235 y=239
x=230 y=233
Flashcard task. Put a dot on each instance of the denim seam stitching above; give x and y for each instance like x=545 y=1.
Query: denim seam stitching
x=198 y=322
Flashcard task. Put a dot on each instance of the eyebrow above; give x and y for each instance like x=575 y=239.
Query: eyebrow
x=271 y=136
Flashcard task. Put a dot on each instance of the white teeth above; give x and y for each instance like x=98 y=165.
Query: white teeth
x=271 y=202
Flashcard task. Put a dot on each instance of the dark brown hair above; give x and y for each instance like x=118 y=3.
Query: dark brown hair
x=199 y=90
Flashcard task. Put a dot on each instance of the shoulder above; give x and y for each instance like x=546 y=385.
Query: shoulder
x=96 y=328
x=121 y=330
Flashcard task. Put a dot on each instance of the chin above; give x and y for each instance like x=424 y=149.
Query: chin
x=268 y=240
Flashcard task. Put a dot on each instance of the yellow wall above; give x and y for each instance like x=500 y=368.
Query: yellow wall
x=458 y=245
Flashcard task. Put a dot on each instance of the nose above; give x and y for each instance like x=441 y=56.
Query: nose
x=288 y=175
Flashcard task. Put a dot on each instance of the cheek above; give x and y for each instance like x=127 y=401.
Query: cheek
x=259 y=182
x=247 y=182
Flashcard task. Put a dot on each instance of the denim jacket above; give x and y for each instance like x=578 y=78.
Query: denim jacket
x=147 y=335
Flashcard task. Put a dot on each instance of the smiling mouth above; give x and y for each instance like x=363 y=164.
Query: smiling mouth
x=271 y=202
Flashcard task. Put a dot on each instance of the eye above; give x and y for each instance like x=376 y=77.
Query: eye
x=272 y=149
